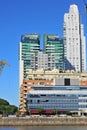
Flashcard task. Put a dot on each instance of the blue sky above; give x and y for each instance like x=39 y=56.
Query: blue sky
x=19 y=17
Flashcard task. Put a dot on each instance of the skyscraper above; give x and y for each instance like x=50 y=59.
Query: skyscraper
x=29 y=45
x=74 y=41
x=53 y=46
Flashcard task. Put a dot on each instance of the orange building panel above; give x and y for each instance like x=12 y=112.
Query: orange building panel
x=83 y=82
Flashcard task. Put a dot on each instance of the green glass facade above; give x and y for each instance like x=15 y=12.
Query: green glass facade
x=53 y=46
x=30 y=45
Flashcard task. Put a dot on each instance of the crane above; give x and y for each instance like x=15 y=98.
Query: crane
x=2 y=64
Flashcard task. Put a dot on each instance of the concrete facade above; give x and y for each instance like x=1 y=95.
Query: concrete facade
x=74 y=41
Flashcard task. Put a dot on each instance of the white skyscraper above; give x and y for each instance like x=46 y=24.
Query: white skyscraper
x=74 y=41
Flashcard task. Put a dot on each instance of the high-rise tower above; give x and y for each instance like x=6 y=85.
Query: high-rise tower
x=74 y=41
x=53 y=46
x=29 y=45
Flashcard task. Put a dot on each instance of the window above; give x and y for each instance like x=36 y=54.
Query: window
x=67 y=82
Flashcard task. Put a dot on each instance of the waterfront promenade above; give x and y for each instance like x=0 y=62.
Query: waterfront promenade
x=40 y=121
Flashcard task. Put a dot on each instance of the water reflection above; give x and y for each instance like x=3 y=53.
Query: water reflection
x=45 y=128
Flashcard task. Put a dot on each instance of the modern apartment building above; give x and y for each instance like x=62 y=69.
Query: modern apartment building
x=45 y=78
x=53 y=46
x=74 y=41
x=39 y=61
x=30 y=44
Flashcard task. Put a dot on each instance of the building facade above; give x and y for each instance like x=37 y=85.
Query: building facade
x=74 y=41
x=59 y=98
x=53 y=46
x=30 y=44
x=46 y=78
x=39 y=61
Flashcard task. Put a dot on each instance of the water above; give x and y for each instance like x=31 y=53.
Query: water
x=46 y=128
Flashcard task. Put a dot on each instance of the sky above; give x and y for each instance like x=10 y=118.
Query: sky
x=19 y=17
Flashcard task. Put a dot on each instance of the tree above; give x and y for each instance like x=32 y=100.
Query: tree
x=6 y=108
x=3 y=102
x=40 y=110
x=55 y=111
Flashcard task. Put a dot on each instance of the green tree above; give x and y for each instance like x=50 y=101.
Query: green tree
x=6 y=108
x=40 y=110
x=3 y=102
x=55 y=111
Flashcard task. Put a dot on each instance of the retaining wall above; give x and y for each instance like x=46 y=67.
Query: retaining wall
x=32 y=121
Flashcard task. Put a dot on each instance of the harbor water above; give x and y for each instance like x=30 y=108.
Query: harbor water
x=45 y=128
